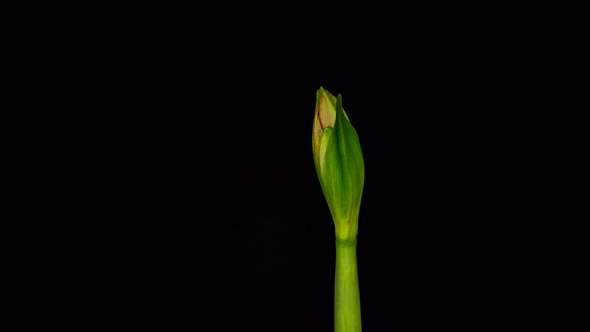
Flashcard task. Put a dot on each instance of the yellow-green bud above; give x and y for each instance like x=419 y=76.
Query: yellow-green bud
x=339 y=163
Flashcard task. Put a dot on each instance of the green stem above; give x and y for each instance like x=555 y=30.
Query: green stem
x=347 y=305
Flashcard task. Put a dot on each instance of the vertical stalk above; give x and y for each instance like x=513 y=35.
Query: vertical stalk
x=347 y=306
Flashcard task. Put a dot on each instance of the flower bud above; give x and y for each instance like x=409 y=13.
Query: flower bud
x=339 y=163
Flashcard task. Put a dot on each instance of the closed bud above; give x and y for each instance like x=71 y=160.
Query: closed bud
x=339 y=163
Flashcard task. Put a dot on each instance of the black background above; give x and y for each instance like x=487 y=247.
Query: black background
x=195 y=206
